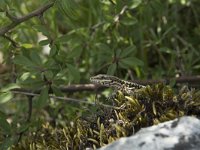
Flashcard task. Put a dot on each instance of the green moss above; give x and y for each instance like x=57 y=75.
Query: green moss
x=146 y=107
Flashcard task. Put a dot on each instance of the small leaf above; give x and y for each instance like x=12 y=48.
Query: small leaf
x=128 y=51
x=10 y=87
x=122 y=65
x=131 y=62
x=3 y=5
x=5 y=97
x=196 y=66
x=23 y=127
x=172 y=82
x=24 y=61
x=106 y=26
x=49 y=74
x=104 y=49
x=42 y=29
x=112 y=69
x=118 y=52
x=74 y=74
x=69 y=8
x=76 y=51
x=5 y=126
x=129 y=21
x=53 y=51
x=62 y=74
x=166 y=50
x=63 y=39
x=135 y=3
x=25 y=76
x=35 y=58
x=27 y=45
x=43 y=98
x=57 y=91
x=8 y=142
x=44 y=42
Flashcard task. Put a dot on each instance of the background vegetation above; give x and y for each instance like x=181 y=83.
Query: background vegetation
x=48 y=44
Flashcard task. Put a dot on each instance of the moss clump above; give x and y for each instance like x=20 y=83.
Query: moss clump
x=145 y=107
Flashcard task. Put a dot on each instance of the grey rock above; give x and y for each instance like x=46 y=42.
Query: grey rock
x=178 y=134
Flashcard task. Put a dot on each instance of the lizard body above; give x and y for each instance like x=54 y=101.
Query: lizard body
x=116 y=83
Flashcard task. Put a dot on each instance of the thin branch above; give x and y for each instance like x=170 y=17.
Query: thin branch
x=193 y=81
x=42 y=20
x=30 y=99
x=67 y=99
x=81 y=87
x=19 y=20
x=11 y=17
x=70 y=88
x=118 y=16
x=30 y=106
x=15 y=44
x=190 y=80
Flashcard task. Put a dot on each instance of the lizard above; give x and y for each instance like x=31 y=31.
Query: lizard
x=116 y=83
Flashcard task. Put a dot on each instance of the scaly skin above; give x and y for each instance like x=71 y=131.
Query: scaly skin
x=116 y=83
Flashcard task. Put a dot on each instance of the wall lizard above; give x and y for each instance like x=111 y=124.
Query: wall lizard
x=116 y=83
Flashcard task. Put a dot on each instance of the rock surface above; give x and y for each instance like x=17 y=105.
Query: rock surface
x=178 y=134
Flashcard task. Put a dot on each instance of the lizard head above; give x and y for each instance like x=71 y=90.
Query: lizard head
x=103 y=79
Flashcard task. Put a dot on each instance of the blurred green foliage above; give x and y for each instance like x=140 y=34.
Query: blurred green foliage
x=75 y=39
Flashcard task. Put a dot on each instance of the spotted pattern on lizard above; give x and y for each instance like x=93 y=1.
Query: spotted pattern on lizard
x=116 y=83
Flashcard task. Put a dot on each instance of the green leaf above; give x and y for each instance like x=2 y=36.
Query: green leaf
x=53 y=51
x=57 y=91
x=112 y=69
x=104 y=53
x=5 y=97
x=129 y=21
x=196 y=66
x=63 y=39
x=44 y=42
x=62 y=74
x=128 y=51
x=172 y=82
x=23 y=127
x=35 y=58
x=3 y=5
x=24 y=61
x=10 y=87
x=49 y=74
x=135 y=3
x=60 y=81
x=69 y=8
x=27 y=45
x=31 y=80
x=118 y=52
x=74 y=74
x=42 y=29
x=8 y=142
x=5 y=126
x=122 y=65
x=130 y=62
x=104 y=49
x=166 y=50
x=33 y=84
x=76 y=52
x=25 y=76
x=43 y=98
x=106 y=26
